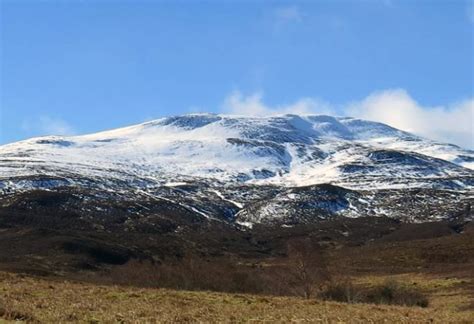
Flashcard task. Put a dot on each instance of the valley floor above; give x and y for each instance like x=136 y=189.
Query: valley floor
x=33 y=299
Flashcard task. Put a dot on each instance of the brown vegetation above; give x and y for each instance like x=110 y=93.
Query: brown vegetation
x=391 y=292
x=360 y=262
x=52 y=301
x=307 y=267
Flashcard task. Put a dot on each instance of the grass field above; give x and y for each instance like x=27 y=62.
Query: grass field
x=428 y=265
x=33 y=299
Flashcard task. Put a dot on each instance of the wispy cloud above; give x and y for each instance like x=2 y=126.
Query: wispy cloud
x=288 y=14
x=470 y=11
x=451 y=123
x=46 y=125
x=387 y=3
x=238 y=104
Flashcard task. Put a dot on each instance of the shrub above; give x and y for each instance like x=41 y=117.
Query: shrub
x=343 y=291
x=390 y=292
x=307 y=267
x=194 y=273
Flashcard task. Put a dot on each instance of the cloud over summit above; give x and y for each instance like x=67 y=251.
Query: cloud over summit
x=452 y=123
x=238 y=104
x=46 y=125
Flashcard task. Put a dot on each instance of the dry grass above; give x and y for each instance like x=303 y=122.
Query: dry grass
x=452 y=294
x=38 y=300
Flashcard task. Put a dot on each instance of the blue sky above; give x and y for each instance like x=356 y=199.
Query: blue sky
x=73 y=67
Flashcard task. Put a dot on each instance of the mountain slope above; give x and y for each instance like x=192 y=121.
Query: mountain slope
x=249 y=169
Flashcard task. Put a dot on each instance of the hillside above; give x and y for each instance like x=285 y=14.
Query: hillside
x=286 y=169
x=38 y=300
x=225 y=204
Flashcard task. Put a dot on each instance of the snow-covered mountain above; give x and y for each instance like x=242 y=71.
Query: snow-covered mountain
x=249 y=169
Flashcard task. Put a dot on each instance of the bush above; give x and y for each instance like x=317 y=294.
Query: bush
x=343 y=291
x=390 y=293
x=193 y=273
x=393 y=293
x=304 y=275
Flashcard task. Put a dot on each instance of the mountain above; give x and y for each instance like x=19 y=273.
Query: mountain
x=286 y=169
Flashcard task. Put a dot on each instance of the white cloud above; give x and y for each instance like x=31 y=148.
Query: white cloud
x=288 y=14
x=452 y=123
x=238 y=104
x=46 y=125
